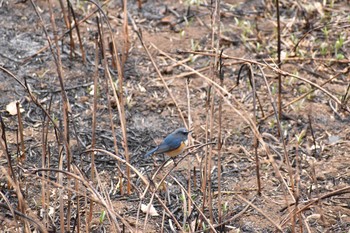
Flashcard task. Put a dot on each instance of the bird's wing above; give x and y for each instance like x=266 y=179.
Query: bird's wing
x=169 y=144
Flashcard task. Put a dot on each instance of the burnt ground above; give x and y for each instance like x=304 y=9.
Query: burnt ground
x=315 y=47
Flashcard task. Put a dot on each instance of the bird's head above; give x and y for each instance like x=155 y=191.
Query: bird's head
x=183 y=132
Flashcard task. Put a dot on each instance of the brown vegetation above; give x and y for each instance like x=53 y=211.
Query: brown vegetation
x=87 y=88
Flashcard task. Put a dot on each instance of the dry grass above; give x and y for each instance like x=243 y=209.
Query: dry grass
x=73 y=160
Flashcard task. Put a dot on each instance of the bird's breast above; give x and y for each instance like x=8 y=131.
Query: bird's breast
x=178 y=150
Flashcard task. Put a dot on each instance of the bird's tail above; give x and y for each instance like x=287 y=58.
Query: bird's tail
x=151 y=152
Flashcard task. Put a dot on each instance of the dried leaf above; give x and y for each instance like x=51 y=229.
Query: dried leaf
x=12 y=109
x=333 y=139
x=151 y=210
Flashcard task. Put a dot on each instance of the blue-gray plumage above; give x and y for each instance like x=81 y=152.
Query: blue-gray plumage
x=173 y=144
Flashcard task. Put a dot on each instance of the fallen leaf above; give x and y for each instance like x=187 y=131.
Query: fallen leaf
x=151 y=210
x=332 y=139
x=12 y=109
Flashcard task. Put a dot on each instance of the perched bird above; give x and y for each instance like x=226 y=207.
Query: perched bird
x=173 y=145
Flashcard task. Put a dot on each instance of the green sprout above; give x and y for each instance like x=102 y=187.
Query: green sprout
x=182 y=33
x=293 y=38
x=338 y=45
x=274 y=89
x=325 y=32
x=204 y=227
x=182 y=197
x=194 y=2
x=324 y=48
x=272 y=123
x=300 y=136
x=102 y=216
x=258 y=47
x=225 y=207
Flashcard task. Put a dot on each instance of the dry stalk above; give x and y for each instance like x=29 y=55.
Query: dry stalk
x=252 y=82
x=77 y=29
x=163 y=179
x=15 y=184
x=258 y=61
x=286 y=157
x=215 y=45
x=4 y=148
x=109 y=207
x=306 y=224
x=80 y=177
x=204 y=169
x=65 y=33
x=260 y=211
x=309 y=203
x=312 y=134
x=65 y=105
x=45 y=162
x=285 y=73
x=279 y=61
x=220 y=225
x=107 y=79
x=65 y=17
x=69 y=26
x=245 y=116
x=297 y=188
x=44 y=190
x=186 y=74
x=35 y=222
x=273 y=68
x=190 y=141
x=122 y=161
x=60 y=191
x=32 y=97
x=9 y=207
x=220 y=141
x=77 y=221
x=169 y=212
x=114 y=135
x=12 y=181
x=94 y=194
x=345 y=71
x=167 y=174
x=126 y=34
x=317 y=192
x=46 y=113
x=119 y=98
x=153 y=194
x=94 y=111
x=240 y=110
x=148 y=211
x=183 y=190
x=208 y=161
x=163 y=220
x=20 y=130
x=138 y=214
x=139 y=34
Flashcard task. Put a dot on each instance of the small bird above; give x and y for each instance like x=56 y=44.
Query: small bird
x=173 y=145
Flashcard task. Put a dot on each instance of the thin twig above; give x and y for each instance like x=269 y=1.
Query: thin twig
x=279 y=61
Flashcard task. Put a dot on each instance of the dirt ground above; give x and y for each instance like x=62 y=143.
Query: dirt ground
x=315 y=39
